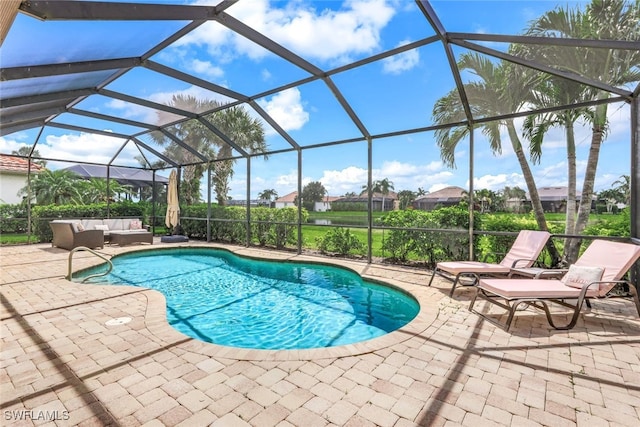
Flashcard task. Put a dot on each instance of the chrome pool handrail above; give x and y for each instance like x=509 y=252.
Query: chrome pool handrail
x=99 y=255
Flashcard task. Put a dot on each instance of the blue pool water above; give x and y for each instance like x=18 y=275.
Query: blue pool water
x=218 y=297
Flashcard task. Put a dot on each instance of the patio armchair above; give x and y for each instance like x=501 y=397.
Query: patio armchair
x=523 y=254
x=69 y=235
x=598 y=270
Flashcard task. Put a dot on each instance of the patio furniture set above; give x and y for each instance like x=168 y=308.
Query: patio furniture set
x=93 y=233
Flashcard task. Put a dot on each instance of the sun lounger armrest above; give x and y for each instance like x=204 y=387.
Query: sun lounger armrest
x=550 y=272
x=535 y=261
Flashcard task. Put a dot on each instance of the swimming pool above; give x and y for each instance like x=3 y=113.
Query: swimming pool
x=218 y=297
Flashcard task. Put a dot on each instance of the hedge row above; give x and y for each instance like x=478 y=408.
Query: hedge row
x=269 y=227
x=430 y=246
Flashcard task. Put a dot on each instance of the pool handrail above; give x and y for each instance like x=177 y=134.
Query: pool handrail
x=99 y=255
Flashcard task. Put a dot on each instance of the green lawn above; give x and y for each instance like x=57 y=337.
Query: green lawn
x=310 y=234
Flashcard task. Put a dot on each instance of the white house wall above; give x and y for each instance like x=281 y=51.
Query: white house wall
x=10 y=185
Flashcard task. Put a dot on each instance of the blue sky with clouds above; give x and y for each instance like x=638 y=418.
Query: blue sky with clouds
x=388 y=95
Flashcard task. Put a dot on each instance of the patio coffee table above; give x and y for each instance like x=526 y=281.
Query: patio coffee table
x=127 y=237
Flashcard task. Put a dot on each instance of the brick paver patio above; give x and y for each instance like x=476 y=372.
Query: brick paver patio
x=62 y=364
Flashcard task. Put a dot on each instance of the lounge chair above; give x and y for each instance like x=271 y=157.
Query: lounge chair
x=598 y=270
x=523 y=253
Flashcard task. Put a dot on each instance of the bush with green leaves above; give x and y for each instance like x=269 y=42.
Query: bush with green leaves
x=349 y=206
x=340 y=241
x=269 y=227
x=13 y=218
x=417 y=234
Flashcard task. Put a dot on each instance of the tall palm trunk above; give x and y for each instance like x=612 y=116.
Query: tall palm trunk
x=597 y=135
x=536 y=204
x=570 y=220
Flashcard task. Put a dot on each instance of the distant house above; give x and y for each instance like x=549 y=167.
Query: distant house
x=448 y=196
x=390 y=200
x=13 y=177
x=325 y=204
x=554 y=199
x=287 y=201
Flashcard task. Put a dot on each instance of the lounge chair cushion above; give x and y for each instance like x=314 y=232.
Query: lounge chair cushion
x=578 y=276
x=532 y=288
x=481 y=268
x=135 y=225
x=78 y=227
x=103 y=227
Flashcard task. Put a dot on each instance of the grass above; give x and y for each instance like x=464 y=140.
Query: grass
x=310 y=234
x=15 y=239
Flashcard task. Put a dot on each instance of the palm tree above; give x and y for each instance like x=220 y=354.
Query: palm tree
x=406 y=197
x=514 y=194
x=624 y=187
x=602 y=19
x=55 y=187
x=379 y=186
x=25 y=150
x=502 y=88
x=268 y=194
x=486 y=198
x=244 y=131
x=552 y=92
x=383 y=187
x=234 y=122
x=94 y=190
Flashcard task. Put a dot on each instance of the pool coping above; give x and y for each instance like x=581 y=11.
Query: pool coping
x=156 y=320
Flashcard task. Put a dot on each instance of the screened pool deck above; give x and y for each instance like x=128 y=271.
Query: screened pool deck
x=61 y=360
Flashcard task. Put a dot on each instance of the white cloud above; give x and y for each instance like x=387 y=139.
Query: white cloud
x=498 y=182
x=326 y=35
x=339 y=182
x=206 y=68
x=86 y=148
x=404 y=176
x=9 y=145
x=286 y=109
x=402 y=62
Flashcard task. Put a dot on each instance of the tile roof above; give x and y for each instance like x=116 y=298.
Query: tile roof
x=17 y=164
x=445 y=193
x=288 y=198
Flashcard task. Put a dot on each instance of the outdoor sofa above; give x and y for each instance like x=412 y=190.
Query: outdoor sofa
x=121 y=231
x=66 y=235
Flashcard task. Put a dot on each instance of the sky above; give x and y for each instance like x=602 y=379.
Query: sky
x=389 y=95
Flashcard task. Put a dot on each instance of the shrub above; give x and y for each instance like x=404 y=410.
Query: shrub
x=418 y=232
x=274 y=227
x=13 y=218
x=340 y=241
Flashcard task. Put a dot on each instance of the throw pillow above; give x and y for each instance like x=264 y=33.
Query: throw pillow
x=103 y=227
x=135 y=225
x=79 y=227
x=578 y=276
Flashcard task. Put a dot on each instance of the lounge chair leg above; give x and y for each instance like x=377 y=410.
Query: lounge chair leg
x=453 y=287
x=634 y=296
x=432 y=276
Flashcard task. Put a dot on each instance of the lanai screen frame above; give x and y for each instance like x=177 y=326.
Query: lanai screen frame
x=32 y=117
